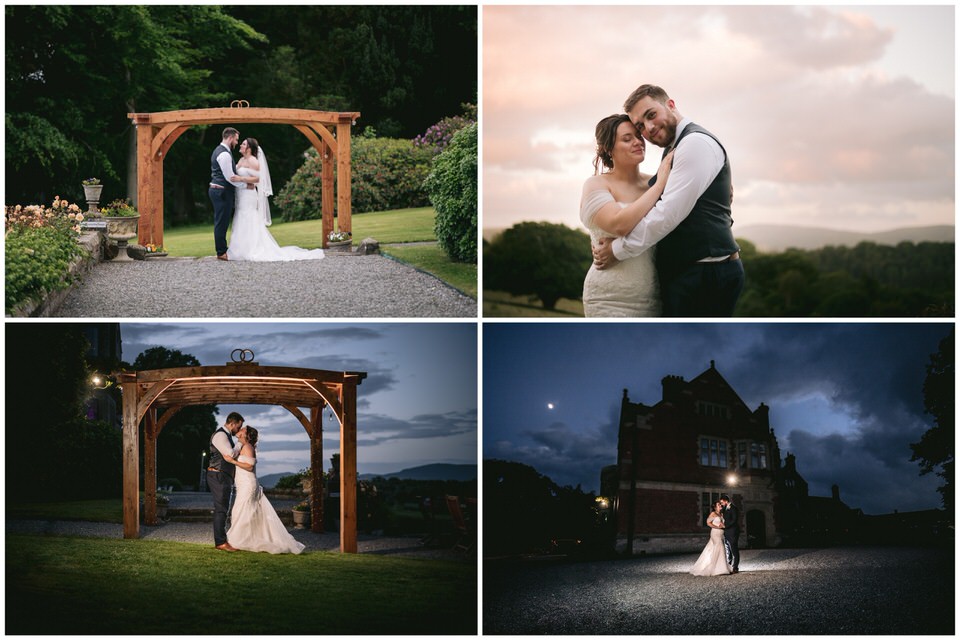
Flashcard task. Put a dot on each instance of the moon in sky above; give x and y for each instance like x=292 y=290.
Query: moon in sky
x=550 y=405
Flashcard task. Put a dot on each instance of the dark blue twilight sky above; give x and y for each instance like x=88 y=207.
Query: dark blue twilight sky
x=846 y=399
x=418 y=404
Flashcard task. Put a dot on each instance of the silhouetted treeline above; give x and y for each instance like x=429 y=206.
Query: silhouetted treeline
x=870 y=280
x=527 y=513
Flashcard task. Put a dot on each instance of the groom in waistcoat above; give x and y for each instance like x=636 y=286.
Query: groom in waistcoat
x=223 y=174
x=220 y=476
x=731 y=532
x=698 y=260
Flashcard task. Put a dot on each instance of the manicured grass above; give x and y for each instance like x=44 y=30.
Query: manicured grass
x=65 y=585
x=107 y=510
x=401 y=225
x=432 y=259
x=387 y=227
x=498 y=304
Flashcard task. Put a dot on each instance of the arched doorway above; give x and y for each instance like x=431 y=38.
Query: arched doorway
x=756 y=529
x=328 y=133
x=145 y=393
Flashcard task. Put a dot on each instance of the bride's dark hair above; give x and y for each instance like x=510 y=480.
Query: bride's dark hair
x=252 y=436
x=253 y=145
x=606 y=134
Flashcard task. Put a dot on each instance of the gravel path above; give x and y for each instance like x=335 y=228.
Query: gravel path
x=335 y=287
x=779 y=591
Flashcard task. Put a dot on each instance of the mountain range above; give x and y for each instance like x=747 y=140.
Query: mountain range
x=461 y=472
x=774 y=238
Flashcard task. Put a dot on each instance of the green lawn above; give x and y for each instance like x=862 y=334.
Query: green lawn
x=391 y=228
x=498 y=304
x=432 y=259
x=65 y=585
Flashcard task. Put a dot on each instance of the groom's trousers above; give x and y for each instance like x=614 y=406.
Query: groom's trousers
x=703 y=290
x=221 y=486
x=223 y=200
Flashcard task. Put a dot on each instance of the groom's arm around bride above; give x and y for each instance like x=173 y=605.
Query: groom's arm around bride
x=698 y=259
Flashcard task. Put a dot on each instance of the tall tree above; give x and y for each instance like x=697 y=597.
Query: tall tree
x=74 y=72
x=934 y=452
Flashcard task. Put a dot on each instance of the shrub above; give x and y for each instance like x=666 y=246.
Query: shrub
x=438 y=137
x=539 y=258
x=387 y=173
x=452 y=185
x=39 y=246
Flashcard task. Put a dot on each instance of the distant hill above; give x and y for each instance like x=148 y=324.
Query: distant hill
x=270 y=481
x=430 y=472
x=461 y=472
x=775 y=238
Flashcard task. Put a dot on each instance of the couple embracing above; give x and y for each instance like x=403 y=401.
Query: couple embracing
x=254 y=525
x=721 y=556
x=662 y=245
x=239 y=192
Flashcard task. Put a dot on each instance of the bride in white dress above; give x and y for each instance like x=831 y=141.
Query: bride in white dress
x=249 y=239
x=254 y=525
x=713 y=558
x=612 y=204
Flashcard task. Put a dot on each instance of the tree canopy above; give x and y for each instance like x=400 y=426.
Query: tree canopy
x=74 y=72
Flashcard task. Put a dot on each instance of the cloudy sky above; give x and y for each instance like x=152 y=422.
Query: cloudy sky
x=846 y=399
x=835 y=117
x=418 y=404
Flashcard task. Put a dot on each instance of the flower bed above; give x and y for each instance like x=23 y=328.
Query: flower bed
x=41 y=245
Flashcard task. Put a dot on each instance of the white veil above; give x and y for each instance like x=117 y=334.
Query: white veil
x=264 y=187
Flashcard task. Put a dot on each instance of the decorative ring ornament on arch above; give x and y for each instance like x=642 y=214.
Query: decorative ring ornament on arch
x=245 y=355
x=239 y=104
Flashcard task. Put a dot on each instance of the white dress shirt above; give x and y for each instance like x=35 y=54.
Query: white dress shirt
x=222 y=443
x=695 y=167
x=225 y=160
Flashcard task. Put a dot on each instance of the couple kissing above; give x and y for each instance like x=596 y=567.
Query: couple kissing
x=254 y=524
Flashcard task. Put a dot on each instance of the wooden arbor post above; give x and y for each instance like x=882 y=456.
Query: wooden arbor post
x=328 y=133
x=240 y=383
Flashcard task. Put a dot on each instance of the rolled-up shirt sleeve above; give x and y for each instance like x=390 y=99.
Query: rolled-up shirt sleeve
x=696 y=163
x=222 y=443
x=226 y=165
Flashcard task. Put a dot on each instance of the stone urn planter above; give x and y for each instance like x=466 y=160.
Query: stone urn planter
x=301 y=519
x=91 y=192
x=342 y=246
x=122 y=229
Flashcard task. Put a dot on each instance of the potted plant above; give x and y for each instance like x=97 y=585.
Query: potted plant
x=91 y=191
x=339 y=241
x=122 y=220
x=162 y=503
x=301 y=515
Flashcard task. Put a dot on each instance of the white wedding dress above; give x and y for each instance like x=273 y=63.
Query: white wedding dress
x=250 y=240
x=713 y=558
x=630 y=288
x=255 y=526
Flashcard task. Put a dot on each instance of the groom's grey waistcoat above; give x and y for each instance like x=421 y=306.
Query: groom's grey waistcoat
x=216 y=458
x=216 y=174
x=706 y=232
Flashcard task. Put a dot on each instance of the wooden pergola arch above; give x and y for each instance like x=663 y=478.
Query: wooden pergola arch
x=145 y=393
x=328 y=132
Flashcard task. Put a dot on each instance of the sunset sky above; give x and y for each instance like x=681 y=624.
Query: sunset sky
x=836 y=117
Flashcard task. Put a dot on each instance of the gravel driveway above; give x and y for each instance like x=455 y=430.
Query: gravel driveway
x=847 y=590
x=335 y=287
